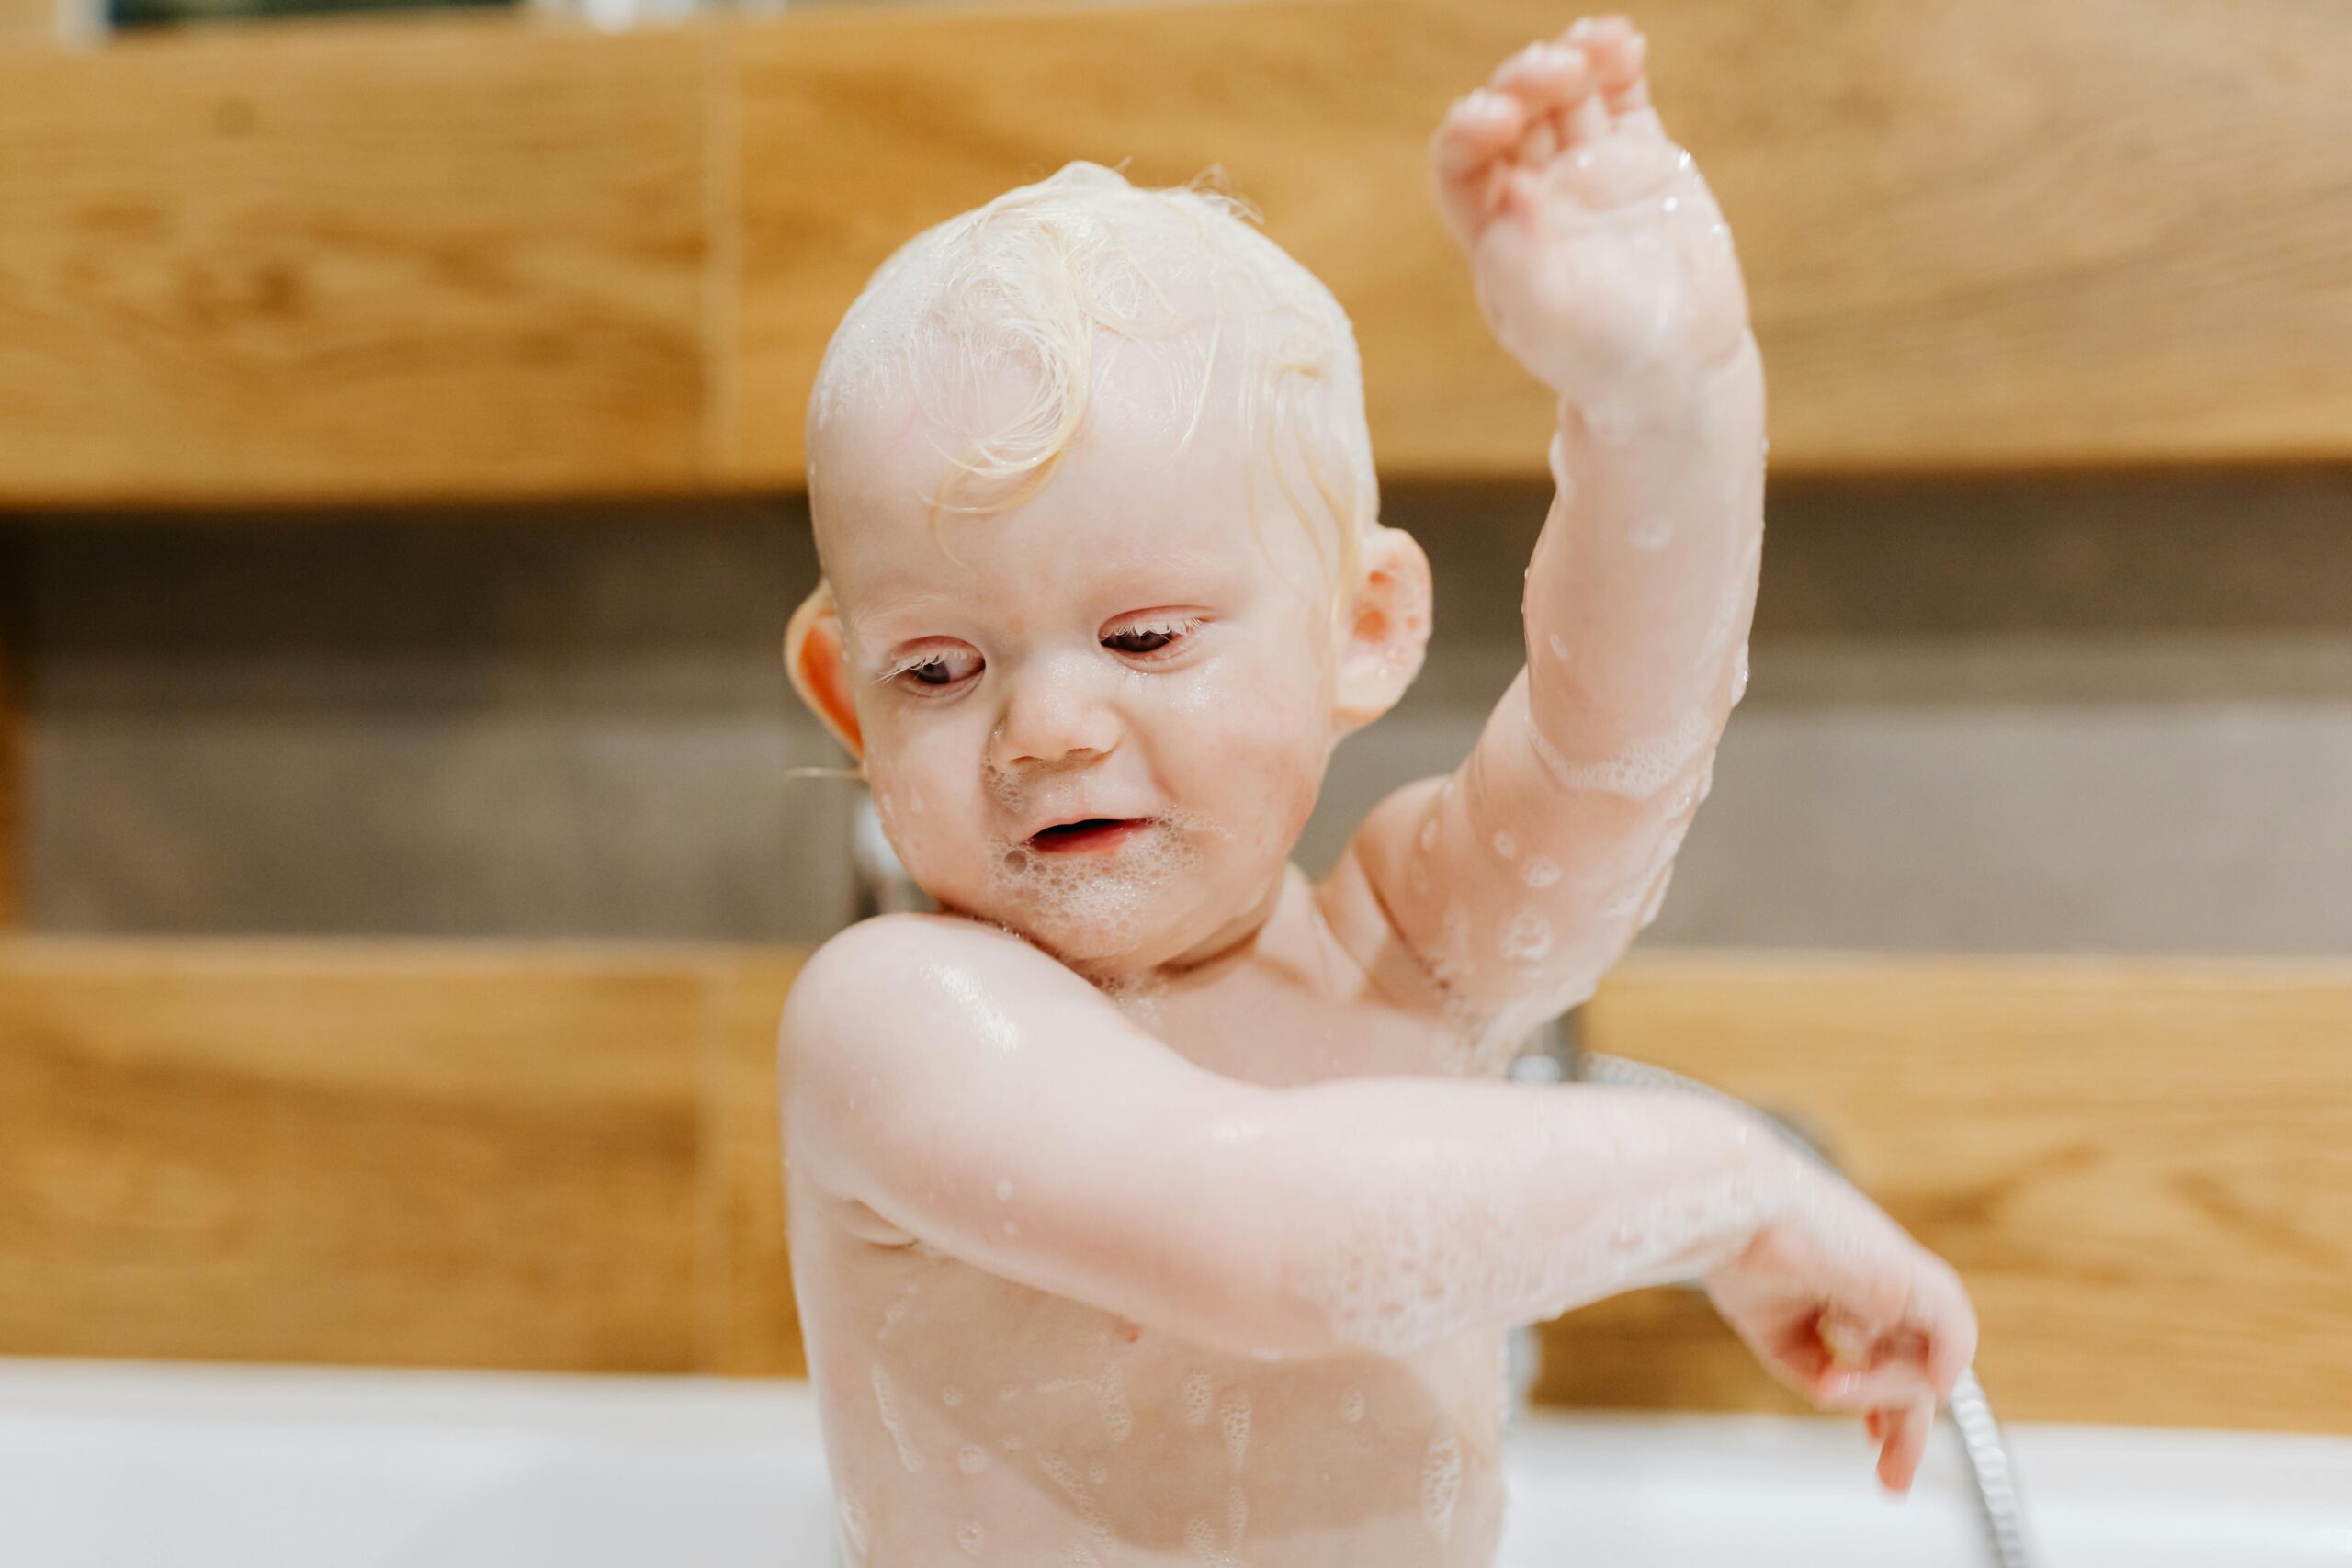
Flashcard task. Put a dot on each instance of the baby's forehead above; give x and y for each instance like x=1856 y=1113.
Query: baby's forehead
x=1156 y=414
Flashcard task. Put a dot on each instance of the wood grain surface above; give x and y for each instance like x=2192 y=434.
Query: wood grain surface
x=470 y=256
x=566 y=1156
x=2144 y=1170
x=27 y=20
x=414 y=1155
x=436 y=257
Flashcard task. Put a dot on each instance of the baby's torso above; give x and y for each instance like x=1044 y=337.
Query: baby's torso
x=969 y=1418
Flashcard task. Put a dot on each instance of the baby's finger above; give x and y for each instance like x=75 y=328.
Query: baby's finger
x=1849 y=1389
x=1898 y=1463
x=1475 y=130
x=1545 y=76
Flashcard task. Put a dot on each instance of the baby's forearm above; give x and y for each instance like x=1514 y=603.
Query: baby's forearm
x=1401 y=1213
x=1640 y=592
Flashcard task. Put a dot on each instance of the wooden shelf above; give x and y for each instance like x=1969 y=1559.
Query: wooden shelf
x=472 y=256
x=564 y=1156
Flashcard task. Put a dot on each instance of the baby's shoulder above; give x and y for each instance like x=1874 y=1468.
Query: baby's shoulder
x=892 y=965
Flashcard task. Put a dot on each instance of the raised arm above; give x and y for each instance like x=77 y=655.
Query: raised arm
x=975 y=1093
x=1605 y=268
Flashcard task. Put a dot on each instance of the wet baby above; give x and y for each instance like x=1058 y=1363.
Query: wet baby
x=1152 y=1203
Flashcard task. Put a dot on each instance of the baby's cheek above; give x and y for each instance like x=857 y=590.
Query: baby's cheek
x=1267 y=766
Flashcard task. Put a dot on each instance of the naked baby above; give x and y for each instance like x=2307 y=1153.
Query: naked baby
x=1152 y=1203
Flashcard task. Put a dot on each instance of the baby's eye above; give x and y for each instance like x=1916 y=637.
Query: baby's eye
x=935 y=672
x=1139 y=639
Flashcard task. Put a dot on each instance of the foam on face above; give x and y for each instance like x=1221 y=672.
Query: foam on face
x=1097 y=905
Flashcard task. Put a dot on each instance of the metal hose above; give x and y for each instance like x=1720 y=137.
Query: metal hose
x=1972 y=1413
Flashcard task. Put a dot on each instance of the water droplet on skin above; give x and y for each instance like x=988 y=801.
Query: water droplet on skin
x=1440 y=1481
x=1197 y=1400
x=853 y=1514
x=1528 y=937
x=971 y=1459
x=1004 y=1191
x=969 y=1537
x=1351 y=1406
x=1428 y=834
x=1539 y=872
x=1559 y=649
x=951 y=1396
x=1739 y=675
x=1233 y=1420
x=1670 y=204
x=1652 y=534
x=1506 y=846
x=1097 y=1474
x=886 y=1400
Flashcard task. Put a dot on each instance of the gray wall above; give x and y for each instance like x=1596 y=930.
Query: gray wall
x=2109 y=714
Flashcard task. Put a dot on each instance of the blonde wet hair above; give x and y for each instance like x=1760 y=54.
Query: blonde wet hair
x=1031 y=280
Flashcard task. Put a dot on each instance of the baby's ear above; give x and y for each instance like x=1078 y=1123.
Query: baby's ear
x=819 y=669
x=1385 y=628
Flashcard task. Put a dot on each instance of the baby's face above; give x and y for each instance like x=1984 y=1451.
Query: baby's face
x=1120 y=651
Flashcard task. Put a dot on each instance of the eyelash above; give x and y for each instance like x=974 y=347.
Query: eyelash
x=1175 y=628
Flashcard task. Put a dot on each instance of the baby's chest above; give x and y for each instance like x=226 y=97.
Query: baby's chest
x=1268 y=1023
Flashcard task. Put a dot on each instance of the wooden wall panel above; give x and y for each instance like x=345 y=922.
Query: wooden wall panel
x=2144 y=1169
x=471 y=256
x=749 y=1325
x=24 y=20
x=566 y=1156
x=345 y=1153
x=1978 y=236
x=415 y=259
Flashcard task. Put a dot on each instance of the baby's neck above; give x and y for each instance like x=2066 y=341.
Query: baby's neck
x=1236 y=936
x=1120 y=977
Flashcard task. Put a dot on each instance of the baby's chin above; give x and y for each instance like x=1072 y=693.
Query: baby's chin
x=1107 y=911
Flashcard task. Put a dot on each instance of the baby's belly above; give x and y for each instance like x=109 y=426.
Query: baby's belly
x=970 y=1419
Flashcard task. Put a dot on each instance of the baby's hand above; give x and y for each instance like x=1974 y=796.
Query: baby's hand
x=1845 y=1308
x=1596 y=250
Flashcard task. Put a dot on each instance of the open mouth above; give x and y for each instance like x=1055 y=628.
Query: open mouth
x=1095 y=832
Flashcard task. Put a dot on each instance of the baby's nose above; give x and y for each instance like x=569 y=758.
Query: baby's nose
x=1053 y=714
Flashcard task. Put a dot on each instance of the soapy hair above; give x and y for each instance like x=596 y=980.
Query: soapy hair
x=1027 y=282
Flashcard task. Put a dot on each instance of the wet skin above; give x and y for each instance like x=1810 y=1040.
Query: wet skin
x=1153 y=1204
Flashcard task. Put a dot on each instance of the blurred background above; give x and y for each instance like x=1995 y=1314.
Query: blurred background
x=400 y=509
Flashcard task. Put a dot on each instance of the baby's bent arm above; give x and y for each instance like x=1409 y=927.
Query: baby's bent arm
x=978 y=1094
x=1522 y=877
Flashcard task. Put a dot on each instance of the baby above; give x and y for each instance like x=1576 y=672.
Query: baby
x=1151 y=1204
